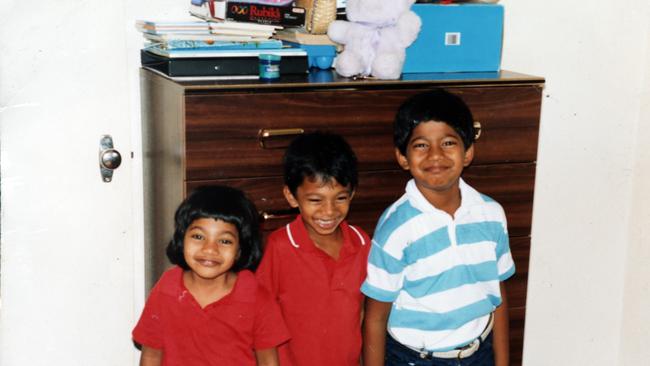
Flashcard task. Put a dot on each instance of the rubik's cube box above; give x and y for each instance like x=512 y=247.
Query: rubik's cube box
x=456 y=38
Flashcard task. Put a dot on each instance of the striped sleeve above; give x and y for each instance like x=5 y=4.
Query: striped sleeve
x=386 y=261
x=385 y=275
x=505 y=263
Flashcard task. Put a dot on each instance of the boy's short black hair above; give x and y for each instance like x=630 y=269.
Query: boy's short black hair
x=320 y=155
x=434 y=105
x=220 y=203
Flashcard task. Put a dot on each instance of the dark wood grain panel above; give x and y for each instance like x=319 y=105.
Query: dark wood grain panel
x=517 y=284
x=516 y=288
x=510 y=184
x=517 y=323
x=222 y=129
x=513 y=186
x=510 y=129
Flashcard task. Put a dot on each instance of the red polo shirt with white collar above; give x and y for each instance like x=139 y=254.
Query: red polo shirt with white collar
x=320 y=297
x=224 y=333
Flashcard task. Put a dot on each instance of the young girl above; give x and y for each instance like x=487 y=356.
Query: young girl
x=209 y=309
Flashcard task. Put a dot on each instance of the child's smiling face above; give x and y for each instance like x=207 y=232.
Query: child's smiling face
x=323 y=205
x=435 y=157
x=210 y=247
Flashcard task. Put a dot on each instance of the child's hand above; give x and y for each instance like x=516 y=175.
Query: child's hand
x=266 y=357
x=150 y=356
x=374 y=331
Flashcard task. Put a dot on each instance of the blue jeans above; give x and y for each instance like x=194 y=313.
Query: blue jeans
x=399 y=355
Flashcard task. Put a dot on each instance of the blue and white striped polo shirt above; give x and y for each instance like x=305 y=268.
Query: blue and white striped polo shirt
x=442 y=273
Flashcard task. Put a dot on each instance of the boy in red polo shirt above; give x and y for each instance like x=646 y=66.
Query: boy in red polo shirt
x=315 y=265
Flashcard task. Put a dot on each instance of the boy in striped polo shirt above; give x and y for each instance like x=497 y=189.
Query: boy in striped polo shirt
x=440 y=253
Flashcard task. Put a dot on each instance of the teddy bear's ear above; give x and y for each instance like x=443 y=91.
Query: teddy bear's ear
x=354 y=10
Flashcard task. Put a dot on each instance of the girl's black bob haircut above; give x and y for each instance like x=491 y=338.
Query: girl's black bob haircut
x=320 y=155
x=220 y=203
x=436 y=105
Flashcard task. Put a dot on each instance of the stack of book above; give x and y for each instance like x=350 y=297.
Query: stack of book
x=173 y=27
x=189 y=36
x=214 y=49
x=279 y=12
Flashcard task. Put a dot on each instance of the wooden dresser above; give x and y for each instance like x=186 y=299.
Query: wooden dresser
x=235 y=132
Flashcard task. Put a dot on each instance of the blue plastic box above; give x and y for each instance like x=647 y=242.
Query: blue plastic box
x=456 y=38
x=319 y=56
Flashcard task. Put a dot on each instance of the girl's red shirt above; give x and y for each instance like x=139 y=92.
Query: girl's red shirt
x=226 y=332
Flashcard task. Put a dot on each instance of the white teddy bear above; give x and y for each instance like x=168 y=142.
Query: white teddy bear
x=375 y=37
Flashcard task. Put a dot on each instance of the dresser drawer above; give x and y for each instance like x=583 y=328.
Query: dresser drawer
x=516 y=285
x=222 y=131
x=208 y=132
x=517 y=323
x=510 y=184
x=516 y=291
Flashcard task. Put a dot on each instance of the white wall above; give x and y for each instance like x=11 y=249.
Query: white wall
x=68 y=253
x=636 y=290
x=587 y=278
x=72 y=247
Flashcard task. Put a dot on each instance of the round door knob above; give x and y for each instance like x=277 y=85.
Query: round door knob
x=111 y=159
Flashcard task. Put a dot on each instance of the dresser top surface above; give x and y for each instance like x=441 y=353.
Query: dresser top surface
x=329 y=79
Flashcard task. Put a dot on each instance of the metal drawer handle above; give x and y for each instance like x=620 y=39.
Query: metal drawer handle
x=264 y=135
x=477 y=130
x=278 y=215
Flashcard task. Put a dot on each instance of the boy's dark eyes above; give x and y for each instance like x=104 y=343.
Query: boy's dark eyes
x=318 y=200
x=450 y=143
x=422 y=145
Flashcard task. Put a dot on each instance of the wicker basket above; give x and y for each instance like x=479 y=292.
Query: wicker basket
x=319 y=14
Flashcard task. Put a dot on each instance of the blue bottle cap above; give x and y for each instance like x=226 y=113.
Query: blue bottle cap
x=269 y=57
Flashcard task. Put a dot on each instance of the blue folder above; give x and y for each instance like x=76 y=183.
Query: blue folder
x=456 y=38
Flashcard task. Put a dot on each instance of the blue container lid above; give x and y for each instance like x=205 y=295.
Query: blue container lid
x=269 y=57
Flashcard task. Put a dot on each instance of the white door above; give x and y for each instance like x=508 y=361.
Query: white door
x=71 y=270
